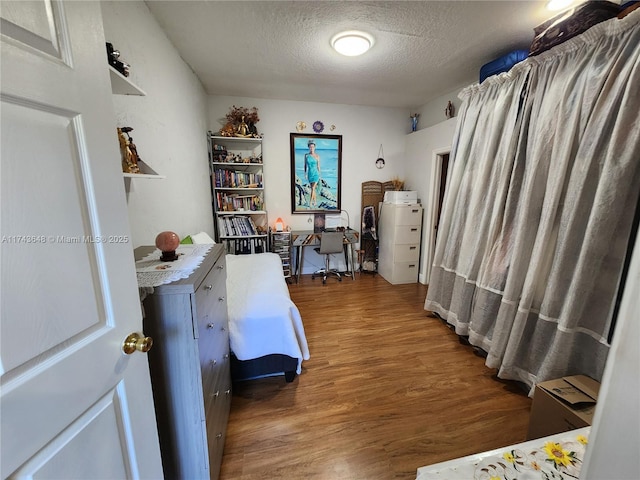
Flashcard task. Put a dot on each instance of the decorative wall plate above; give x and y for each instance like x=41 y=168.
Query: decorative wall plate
x=318 y=126
x=300 y=126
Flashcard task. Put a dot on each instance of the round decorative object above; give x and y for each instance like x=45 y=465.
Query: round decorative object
x=332 y=128
x=167 y=242
x=318 y=126
x=300 y=126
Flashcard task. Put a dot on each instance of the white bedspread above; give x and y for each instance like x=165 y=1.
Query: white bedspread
x=262 y=318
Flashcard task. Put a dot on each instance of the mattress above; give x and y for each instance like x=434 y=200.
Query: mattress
x=262 y=318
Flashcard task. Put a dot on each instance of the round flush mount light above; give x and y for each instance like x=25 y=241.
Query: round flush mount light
x=352 y=43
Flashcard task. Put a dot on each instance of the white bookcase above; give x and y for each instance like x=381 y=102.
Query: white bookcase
x=237 y=194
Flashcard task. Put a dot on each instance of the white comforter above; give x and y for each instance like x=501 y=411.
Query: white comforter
x=262 y=318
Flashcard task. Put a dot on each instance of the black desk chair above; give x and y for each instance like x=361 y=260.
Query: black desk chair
x=330 y=242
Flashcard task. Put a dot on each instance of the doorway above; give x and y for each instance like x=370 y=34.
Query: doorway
x=438 y=179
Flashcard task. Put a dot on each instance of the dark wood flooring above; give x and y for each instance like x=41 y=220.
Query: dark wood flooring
x=387 y=389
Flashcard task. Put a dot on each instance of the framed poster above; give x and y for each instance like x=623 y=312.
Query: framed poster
x=316 y=168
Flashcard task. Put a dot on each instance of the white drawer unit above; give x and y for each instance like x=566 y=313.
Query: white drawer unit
x=400 y=229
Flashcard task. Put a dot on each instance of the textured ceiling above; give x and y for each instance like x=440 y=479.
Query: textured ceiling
x=280 y=49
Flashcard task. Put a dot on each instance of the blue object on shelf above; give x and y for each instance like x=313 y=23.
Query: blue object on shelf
x=502 y=64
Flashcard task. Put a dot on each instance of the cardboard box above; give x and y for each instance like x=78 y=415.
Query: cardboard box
x=562 y=405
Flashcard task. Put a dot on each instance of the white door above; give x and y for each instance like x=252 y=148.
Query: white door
x=73 y=405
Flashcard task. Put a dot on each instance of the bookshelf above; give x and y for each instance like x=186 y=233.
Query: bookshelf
x=237 y=193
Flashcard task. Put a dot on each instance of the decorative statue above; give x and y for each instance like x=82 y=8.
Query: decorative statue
x=243 y=129
x=414 y=121
x=129 y=151
x=449 y=112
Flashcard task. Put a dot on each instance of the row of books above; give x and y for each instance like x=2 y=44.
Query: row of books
x=230 y=179
x=226 y=202
x=236 y=226
x=245 y=246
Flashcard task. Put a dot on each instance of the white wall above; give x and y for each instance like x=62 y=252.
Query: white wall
x=169 y=127
x=421 y=150
x=363 y=129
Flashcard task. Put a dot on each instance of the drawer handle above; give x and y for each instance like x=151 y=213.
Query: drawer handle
x=221 y=299
x=219 y=435
x=226 y=355
x=412 y=248
x=412 y=266
x=208 y=287
x=210 y=325
x=414 y=229
x=216 y=394
x=227 y=392
x=214 y=362
x=414 y=211
x=222 y=329
x=220 y=267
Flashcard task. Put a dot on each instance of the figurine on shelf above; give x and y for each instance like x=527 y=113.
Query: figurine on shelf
x=449 y=112
x=129 y=151
x=243 y=129
x=242 y=122
x=414 y=121
x=113 y=57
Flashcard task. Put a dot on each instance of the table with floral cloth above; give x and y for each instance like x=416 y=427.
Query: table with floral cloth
x=557 y=457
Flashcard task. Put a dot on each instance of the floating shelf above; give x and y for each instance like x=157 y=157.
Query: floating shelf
x=147 y=172
x=121 y=85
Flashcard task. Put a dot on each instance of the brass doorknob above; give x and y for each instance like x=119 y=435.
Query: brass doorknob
x=136 y=341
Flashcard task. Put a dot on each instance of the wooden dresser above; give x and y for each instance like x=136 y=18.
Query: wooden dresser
x=189 y=364
x=400 y=229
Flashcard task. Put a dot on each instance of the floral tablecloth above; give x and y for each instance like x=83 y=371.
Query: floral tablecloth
x=557 y=457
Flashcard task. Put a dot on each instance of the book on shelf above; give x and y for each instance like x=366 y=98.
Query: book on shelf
x=223 y=178
x=237 y=226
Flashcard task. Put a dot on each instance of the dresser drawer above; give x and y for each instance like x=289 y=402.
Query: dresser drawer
x=408 y=215
x=407 y=234
x=406 y=253
x=211 y=291
x=217 y=383
x=405 y=272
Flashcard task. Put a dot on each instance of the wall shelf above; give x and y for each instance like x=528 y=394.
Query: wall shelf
x=147 y=172
x=121 y=85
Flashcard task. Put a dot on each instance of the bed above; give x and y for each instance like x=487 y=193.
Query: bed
x=265 y=327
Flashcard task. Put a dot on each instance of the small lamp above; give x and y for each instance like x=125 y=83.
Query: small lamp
x=167 y=242
x=279 y=225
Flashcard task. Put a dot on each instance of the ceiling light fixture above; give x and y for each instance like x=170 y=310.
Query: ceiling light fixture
x=352 y=43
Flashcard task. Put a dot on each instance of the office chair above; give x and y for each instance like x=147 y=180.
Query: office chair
x=330 y=242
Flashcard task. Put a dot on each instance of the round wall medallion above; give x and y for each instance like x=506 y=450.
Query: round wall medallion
x=300 y=126
x=318 y=126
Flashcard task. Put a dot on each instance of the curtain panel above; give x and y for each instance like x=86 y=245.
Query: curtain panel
x=539 y=210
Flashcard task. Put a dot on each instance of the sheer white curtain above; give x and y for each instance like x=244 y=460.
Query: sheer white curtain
x=538 y=215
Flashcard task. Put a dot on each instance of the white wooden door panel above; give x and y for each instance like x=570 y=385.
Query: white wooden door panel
x=37 y=24
x=96 y=430
x=73 y=404
x=37 y=186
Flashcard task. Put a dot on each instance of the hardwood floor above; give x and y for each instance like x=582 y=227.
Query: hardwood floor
x=387 y=389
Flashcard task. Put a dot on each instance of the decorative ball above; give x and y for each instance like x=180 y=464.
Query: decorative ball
x=167 y=241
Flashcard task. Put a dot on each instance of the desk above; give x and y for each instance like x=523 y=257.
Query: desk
x=299 y=240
